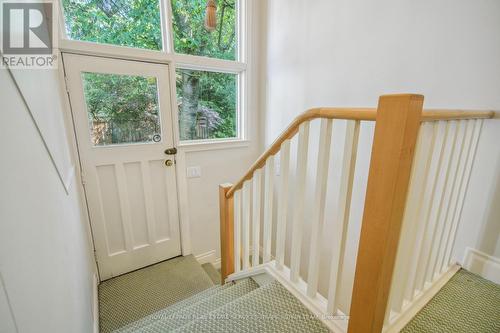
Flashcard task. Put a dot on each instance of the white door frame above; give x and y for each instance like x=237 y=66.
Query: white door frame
x=182 y=188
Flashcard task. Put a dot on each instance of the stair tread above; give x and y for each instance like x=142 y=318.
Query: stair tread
x=173 y=308
x=127 y=298
x=170 y=319
x=270 y=308
x=212 y=273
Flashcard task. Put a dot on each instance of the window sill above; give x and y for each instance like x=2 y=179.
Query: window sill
x=194 y=146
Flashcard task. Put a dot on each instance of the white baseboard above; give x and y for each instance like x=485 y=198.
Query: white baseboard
x=208 y=257
x=482 y=264
x=95 y=304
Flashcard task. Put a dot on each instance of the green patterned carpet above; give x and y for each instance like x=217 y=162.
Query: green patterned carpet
x=130 y=297
x=179 y=296
x=270 y=308
x=466 y=304
x=243 y=307
x=212 y=273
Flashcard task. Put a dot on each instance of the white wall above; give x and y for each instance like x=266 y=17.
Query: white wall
x=45 y=256
x=217 y=167
x=225 y=165
x=348 y=52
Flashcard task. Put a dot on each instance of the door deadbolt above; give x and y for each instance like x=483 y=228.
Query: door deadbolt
x=171 y=151
x=169 y=163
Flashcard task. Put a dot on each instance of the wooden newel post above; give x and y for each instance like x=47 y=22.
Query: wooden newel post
x=396 y=130
x=226 y=231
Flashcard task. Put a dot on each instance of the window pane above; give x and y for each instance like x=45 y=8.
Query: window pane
x=207 y=105
x=192 y=37
x=134 y=23
x=121 y=108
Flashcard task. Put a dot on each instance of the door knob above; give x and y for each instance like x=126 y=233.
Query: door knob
x=169 y=163
x=171 y=151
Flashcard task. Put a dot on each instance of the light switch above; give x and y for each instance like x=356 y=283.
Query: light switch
x=193 y=172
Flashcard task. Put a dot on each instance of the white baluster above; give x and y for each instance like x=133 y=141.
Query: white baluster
x=457 y=164
x=237 y=231
x=428 y=209
x=282 y=203
x=405 y=253
x=268 y=208
x=438 y=231
x=468 y=136
x=470 y=156
x=256 y=202
x=342 y=218
x=245 y=235
x=318 y=210
x=418 y=214
x=298 y=212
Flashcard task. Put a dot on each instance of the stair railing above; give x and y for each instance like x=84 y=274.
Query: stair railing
x=444 y=157
x=400 y=203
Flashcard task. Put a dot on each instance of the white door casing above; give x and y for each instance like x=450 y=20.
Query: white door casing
x=131 y=193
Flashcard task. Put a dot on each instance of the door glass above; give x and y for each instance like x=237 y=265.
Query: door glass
x=121 y=109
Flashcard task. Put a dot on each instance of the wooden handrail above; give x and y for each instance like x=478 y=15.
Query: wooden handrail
x=289 y=132
x=368 y=114
x=442 y=114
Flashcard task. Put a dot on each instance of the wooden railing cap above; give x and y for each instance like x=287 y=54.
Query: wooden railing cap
x=405 y=95
x=360 y=114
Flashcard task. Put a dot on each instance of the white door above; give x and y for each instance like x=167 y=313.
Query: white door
x=122 y=115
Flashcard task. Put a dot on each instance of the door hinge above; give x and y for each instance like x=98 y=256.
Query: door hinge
x=82 y=176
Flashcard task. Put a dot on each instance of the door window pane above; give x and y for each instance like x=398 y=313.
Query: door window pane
x=134 y=23
x=121 y=108
x=207 y=104
x=192 y=37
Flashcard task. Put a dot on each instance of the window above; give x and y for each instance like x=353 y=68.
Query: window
x=121 y=108
x=134 y=23
x=208 y=91
x=192 y=37
x=207 y=104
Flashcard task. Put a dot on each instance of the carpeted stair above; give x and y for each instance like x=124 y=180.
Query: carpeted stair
x=179 y=295
x=243 y=306
x=212 y=273
x=133 y=296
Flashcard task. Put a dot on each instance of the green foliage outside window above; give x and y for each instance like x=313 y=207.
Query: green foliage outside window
x=199 y=94
x=190 y=35
x=134 y=23
x=207 y=101
x=121 y=108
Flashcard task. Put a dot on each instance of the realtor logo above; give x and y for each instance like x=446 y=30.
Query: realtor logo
x=28 y=34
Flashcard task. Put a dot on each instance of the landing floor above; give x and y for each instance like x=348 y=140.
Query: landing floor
x=466 y=304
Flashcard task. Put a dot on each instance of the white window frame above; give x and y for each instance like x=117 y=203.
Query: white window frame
x=182 y=61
